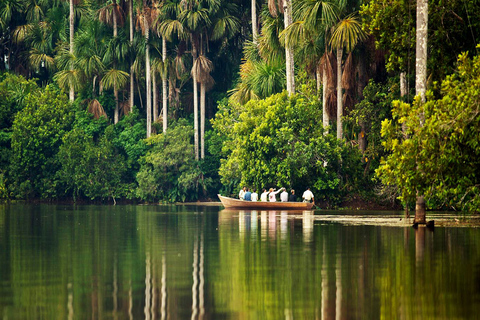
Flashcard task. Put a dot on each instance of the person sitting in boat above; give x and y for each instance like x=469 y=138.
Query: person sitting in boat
x=284 y=196
x=254 y=195
x=241 y=194
x=292 y=197
x=248 y=195
x=272 y=194
x=264 y=195
x=308 y=196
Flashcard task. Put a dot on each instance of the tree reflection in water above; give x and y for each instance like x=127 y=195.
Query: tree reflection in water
x=154 y=262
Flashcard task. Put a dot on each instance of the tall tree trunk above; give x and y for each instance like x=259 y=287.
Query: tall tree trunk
x=115 y=89
x=326 y=118
x=421 y=82
x=254 y=21
x=132 y=89
x=195 y=101
x=148 y=80
x=290 y=66
x=115 y=115
x=339 y=94
x=403 y=84
x=164 y=84
x=202 y=120
x=72 y=30
x=403 y=93
x=155 y=97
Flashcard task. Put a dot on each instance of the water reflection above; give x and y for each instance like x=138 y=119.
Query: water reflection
x=307 y=224
x=149 y=263
x=272 y=223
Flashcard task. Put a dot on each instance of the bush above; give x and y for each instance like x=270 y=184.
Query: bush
x=169 y=171
x=37 y=135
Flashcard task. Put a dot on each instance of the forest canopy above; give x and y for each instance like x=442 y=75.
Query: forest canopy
x=179 y=100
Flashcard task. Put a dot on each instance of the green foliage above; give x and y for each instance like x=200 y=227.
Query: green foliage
x=13 y=90
x=451 y=30
x=37 y=134
x=128 y=137
x=91 y=169
x=371 y=111
x=440 y=158
x=168 y=170
x=278 y=142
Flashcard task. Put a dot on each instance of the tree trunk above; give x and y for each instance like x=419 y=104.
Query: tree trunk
x=195 y=114
x=195 y=102
x=403 y=84
x=403 y=93
x=115 y=89
x=421 y=82
x=155 y=97
x=202 y=120
x=132 y=87
x=115 y=115
x=72 y=27
x=164 y=84
x=339 y=94
x=326 y=119
x=254 y=21
x=290 y=66
x=148 y=81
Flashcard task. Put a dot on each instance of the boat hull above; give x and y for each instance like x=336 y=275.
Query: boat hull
x=241 y=204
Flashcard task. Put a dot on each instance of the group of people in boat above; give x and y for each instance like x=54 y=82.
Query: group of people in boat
x=271 y=195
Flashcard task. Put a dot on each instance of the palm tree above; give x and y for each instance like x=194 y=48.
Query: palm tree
x=71 y=47
x=347 y=33
x=309 y=32
x=421 y=82
x=285 y=7
x=130 y=27
x=112 y=14
x=144 y=22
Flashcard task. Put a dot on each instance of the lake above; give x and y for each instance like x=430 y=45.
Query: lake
x=202 y=262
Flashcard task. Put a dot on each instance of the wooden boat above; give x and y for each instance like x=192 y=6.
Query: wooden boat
x=241 y=204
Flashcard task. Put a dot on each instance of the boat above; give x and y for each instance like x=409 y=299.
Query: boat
x=242 y=204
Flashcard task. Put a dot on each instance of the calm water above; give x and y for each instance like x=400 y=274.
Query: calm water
x=175 y=262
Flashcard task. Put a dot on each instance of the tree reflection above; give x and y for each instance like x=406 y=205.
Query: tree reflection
x=148 y=262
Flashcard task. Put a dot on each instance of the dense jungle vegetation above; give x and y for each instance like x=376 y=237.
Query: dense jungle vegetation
x=178 y=100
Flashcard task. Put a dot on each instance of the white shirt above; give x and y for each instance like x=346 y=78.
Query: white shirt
x=263 y=197
x=271 y=195
x=254 y=196
x=284 y=196
x=241 y=194
x=308 y=195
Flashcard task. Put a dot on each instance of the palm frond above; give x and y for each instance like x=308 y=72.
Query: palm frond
x=225 y=27
x=294 y=34
x=268 y=78
x=194 y=20
x=170 y=28
x=38 y=59
x=69 y=78
x=202 y=68
x=21 y=32
x=275 y=7
x=125 y=107
x=95 y=108
x=115 y=79
x=242 y=93
x=250 y=51
x=347 y=33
